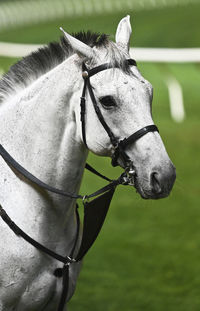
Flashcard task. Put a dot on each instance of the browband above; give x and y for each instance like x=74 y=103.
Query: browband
x=93 y=71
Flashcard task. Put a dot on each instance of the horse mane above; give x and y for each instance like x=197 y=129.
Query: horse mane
x=31 y=67
x=34 y=65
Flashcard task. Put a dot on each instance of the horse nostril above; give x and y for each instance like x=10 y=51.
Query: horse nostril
x=156 y=188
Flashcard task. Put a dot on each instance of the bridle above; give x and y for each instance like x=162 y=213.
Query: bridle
x=94 y=211
x=119 y=146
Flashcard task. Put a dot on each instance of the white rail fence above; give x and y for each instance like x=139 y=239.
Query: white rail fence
x=140 y=54
x=20 y=13
x=164 y=55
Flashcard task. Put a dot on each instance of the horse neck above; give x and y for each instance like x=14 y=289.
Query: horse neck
x=39 y=129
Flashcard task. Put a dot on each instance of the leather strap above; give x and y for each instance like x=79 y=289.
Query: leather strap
x=65 y=270
x=119 y=150
x=12 y=162
x=92 y=170
x=86 y=76
x=65 y=260
x=93 y=71
x=135 y=136
x=65 y=288
x=100 y=116
x=83 y=111
x=26 y=237
x=119 y=146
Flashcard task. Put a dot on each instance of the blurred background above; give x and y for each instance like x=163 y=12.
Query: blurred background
x=147 y=256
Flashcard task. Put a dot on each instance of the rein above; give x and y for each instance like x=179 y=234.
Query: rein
x=94 y=211
x=20 y=169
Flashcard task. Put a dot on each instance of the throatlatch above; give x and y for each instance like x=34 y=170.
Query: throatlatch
x=94 y=211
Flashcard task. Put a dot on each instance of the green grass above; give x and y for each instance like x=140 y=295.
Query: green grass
x=147 y=255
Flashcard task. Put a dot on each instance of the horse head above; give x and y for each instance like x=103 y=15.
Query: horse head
x=124 y=101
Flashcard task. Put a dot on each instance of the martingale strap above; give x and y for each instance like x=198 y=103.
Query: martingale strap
x=64 y=272
x=95 y=212
x=19 y=232
x=94 y=215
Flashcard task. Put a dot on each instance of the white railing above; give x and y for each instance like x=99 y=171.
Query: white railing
x=164 y=55
x=140 y=54
x=17 y=49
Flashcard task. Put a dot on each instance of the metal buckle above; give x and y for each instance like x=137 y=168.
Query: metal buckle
x=85 y=199
x=70 y=260
x=125 y=179
x=85 y=74
x=130 y=175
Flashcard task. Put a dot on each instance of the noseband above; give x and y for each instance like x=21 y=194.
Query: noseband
x=119 y=146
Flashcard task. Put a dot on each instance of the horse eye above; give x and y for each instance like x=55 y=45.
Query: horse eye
x=107 y=102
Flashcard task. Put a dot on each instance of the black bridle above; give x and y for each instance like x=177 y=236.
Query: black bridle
x=119 y=146
x=94 y=211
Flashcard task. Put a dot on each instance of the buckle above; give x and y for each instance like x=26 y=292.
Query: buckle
x=124 y=180
x=128 y=177
x=85 y=74
x=85 y=199
x=70 y=260
x=131 y=174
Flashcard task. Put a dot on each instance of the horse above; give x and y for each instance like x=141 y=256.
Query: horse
x=42 y=129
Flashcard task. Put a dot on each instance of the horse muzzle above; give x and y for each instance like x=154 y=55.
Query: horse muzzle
x=158 y=184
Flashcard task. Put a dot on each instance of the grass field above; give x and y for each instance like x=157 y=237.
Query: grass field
x=148 y=254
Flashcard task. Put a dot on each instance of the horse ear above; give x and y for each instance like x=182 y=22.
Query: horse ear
x=123 y=33
x=78 y=46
